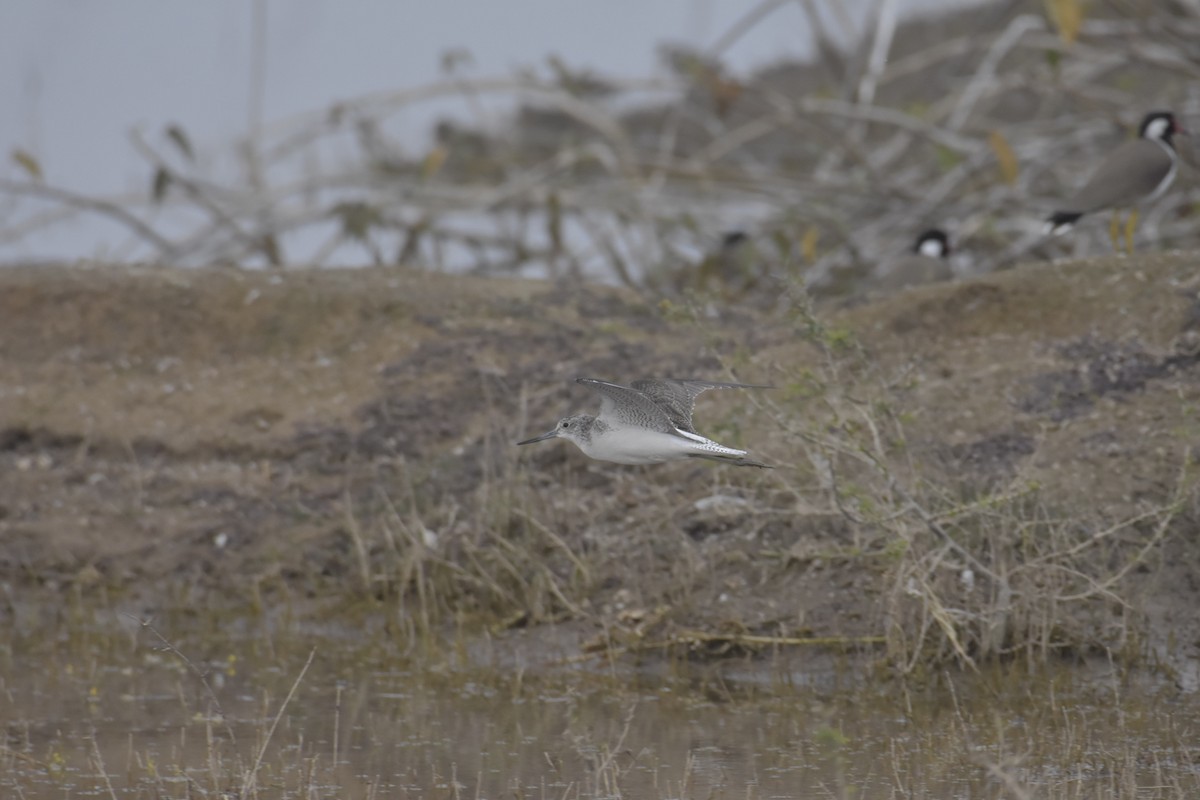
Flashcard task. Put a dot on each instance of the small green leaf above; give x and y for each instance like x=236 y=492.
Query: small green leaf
x=1067 y=16
x=832 y=737
x=269 y=245
x=808 y=244
x=1010 y=168
x=782 y=242
x=162 y=182
x=181 y=140
x=433 y=161
x=27 y=162
x=357 y=219
x=554 y=221
x=947 y=158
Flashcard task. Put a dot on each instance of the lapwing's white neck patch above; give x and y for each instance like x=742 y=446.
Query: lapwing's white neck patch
x=934 y=248
x=1157 y=128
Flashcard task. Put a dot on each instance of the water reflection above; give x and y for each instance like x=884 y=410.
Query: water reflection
x=140 y=721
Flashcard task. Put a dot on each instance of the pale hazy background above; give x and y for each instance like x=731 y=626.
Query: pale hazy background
x=77 y=76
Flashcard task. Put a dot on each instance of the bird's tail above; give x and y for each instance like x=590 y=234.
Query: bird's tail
x=1061 y=222
x=735 y=461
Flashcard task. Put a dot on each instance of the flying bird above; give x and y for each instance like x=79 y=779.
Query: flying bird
x=647 y=422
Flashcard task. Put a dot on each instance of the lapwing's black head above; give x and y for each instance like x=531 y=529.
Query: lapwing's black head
x=1160 y=125
x=933 y=243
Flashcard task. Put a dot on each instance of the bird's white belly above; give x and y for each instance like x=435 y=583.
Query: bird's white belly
x=640 y=446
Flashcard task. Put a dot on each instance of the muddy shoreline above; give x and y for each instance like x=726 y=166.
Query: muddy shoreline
x=341 y=444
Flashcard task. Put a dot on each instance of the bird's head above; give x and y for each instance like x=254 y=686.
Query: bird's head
x=1160 y=125
x=576 y=429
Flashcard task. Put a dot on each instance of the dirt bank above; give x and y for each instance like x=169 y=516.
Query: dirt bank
x=344 y=439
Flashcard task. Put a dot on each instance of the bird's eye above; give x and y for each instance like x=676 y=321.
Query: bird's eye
x=565 y=424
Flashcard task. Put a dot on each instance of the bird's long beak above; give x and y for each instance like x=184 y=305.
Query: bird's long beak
x=548 y=435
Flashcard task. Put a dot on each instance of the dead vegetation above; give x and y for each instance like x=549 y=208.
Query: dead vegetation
x=989 y=470
x=239 y=720
x=955 y=481
x=995 y=476
x=976 y=121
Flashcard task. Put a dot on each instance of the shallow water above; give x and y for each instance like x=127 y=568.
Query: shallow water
x=121 y=716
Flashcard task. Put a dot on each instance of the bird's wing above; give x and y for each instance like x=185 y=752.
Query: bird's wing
x=677 y=399
x=622 y=406
x=1132 y=172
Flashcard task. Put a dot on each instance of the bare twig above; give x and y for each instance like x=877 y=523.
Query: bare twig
x=201 y=675
x=106 y=208
x=251 y=778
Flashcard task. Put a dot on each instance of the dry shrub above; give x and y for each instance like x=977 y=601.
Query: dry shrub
x=974 y=573
x=979 y=120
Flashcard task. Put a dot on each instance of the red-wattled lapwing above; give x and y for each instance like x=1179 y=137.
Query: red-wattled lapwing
x=1137 y=172
x=928 y=262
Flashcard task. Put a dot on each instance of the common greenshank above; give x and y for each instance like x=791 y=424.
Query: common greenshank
x=647 y=422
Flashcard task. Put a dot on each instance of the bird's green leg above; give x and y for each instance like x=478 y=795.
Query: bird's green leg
x=1114 y=230
x=1130 y=227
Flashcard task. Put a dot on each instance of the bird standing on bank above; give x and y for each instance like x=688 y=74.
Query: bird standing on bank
x=928 y=262
x=1137 y=172
x=647 y=422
